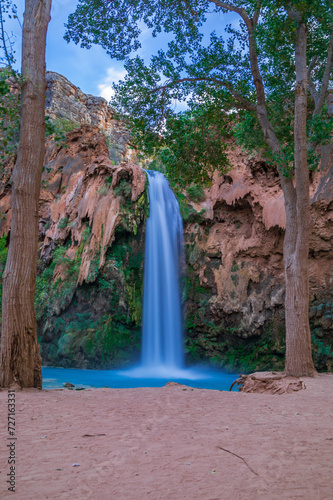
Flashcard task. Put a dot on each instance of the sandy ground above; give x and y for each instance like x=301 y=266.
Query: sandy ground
x=171 y=443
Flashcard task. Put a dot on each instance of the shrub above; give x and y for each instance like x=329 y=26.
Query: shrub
x=195 y=193
x=124 y=190
x=62 y=224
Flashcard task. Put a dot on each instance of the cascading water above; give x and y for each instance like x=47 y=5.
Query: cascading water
x=162 y=343
x=162 y=347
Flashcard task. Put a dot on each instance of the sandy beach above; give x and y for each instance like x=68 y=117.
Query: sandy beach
x=171 y=443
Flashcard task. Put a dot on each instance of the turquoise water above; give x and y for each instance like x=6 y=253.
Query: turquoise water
x=54 y=378
x=162 y=343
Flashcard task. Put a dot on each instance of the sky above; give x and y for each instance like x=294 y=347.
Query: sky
x=93 y=71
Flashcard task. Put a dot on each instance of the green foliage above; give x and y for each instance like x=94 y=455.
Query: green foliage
x=321 y=350
x=115 y=25
x=131 y=266
x=214 y=77
x=10 y=93
x=103 y=343
x=94 y=267
x=255 y=356
x=155 y=163
x=104 y=284
x=114 y=154
x=234 y=267
x=195 y=193
x=193 y=350
x=3 y=251
x=58 y=128
x=223 y=347
x=53 y=295
x=114 y=338
x=124 y=189
x=3 y=259
x=108 y=181
x=63 y=223
x=199 y=296
x=72 y=337
x=192 y=146
x=321 y=127
x=188 y=213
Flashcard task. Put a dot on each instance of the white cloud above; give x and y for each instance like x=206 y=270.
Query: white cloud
x=180 y=106
x=112 y=75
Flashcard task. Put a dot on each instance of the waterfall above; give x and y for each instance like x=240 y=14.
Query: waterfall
x=162 y=333
x=162 y=342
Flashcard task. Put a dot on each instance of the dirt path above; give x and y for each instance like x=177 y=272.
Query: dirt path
x=171 y=443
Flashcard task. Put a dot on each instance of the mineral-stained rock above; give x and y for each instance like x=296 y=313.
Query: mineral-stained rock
x=82 y=205
x=65 y=101
x=235 y=254
x=75 y=195
x=93 y=207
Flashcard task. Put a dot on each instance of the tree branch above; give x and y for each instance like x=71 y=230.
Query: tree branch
x=261 y=108
x=250 y=23
x=244 y=102
x=239 y=10
x=326 y=78
x=294 y=15
x=257 y=13
x=311 y=83
x=192 y=11
x=3 y=37
x=312 y=63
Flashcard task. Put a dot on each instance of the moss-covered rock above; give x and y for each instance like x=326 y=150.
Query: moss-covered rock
x=96 y=324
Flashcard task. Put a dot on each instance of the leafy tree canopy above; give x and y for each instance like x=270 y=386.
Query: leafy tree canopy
x=10 y=87
x=216 y=78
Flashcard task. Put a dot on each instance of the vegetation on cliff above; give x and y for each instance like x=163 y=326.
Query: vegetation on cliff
x=262 y=71
x=89 y=287
x=19 y=352
x=94 y=202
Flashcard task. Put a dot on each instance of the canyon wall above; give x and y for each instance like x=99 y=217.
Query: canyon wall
x=235 y=265
x=93 y=208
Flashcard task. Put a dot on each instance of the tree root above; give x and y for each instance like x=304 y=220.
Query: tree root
x=269 y=382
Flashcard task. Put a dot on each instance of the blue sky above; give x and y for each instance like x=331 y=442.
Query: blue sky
x=92 y=70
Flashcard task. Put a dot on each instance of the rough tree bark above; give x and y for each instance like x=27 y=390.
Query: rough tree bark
x=297 y=203
x=20 y=358
x=296 y=249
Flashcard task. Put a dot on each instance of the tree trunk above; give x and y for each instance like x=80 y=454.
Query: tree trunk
x=296 y=246
x=297 y=204
x=20 y=358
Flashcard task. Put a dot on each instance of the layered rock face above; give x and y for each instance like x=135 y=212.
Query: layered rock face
x=64 y=101
x=235 y=254
x=91 y=219
x=93 y=208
